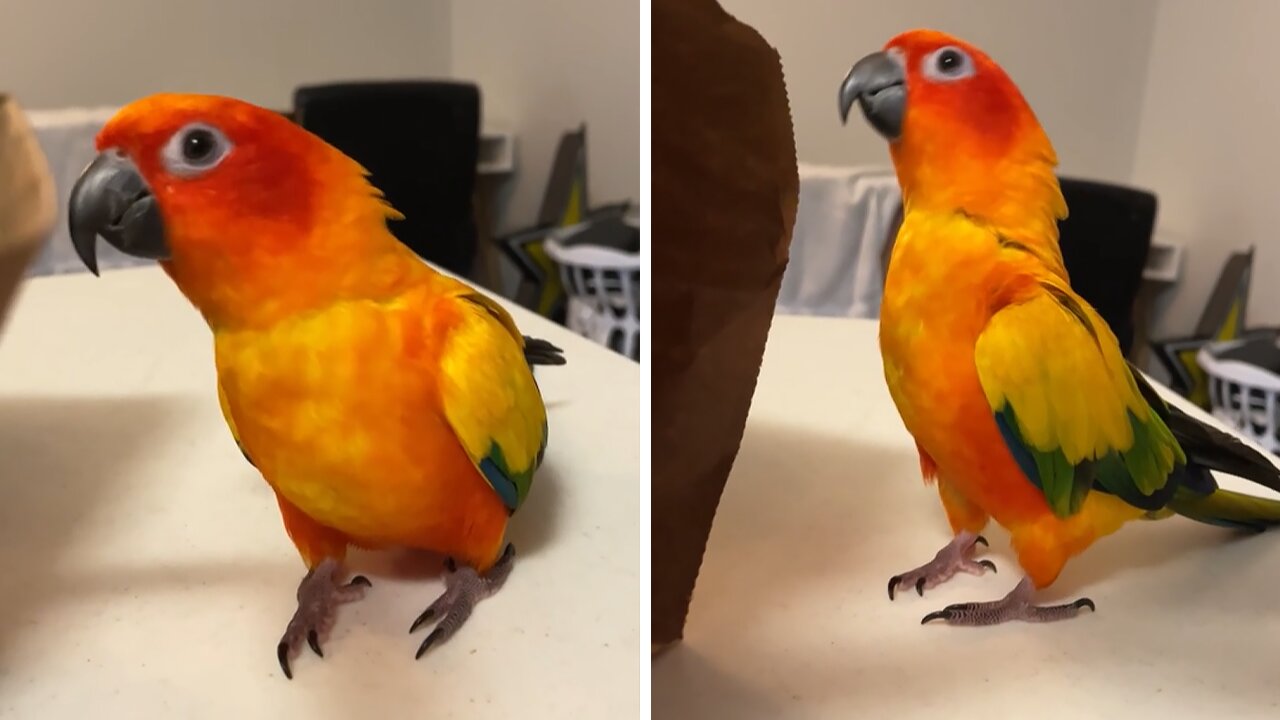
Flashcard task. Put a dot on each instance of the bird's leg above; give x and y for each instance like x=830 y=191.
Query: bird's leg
x=463 y=589
x=1014 y=606
x=319 y=595
x=956 y=556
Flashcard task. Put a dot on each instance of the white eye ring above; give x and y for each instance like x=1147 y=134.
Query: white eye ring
x=194 y=150
x=947 y=64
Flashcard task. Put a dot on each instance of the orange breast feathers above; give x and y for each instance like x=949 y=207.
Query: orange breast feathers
x=342 y=412
x=945 y=280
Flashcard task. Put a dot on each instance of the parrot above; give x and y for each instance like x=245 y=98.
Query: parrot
x=386 y=404
x=1021 y=405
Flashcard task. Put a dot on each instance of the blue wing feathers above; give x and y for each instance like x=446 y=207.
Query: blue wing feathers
x=511 y=485
x=500 y=480
x=1008 y=429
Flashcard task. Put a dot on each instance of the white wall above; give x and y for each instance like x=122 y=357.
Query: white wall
x=1176 y=96
x=1081 y=65
x=546 y=66
x=58 y=53
x=1209 y=146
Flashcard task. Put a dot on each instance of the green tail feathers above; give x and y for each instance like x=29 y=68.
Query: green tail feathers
x=1225 y=508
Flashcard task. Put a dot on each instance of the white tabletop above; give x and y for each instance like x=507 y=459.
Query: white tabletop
x=791 y=618
x=146 y=573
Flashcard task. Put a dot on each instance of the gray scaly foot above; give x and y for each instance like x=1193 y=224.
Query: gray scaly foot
x=957 y=556
x=319 y=595
x=1014 y=606
x=463 y=589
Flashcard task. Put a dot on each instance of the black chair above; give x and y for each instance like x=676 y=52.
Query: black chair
x=420 y=142
x=1105 y=241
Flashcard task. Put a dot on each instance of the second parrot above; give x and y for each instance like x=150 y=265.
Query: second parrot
x=1021 y=404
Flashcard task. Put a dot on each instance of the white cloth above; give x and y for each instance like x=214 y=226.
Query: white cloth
x=842 y=227
x=67 y=138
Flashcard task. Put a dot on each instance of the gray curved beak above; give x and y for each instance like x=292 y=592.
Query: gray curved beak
x=110 y=199
x=878 y=84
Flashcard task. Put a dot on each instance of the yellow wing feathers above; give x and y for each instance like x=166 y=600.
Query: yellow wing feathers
x=490 y=398
x=1067 y=406
x=442 y=351
x=1057 y=363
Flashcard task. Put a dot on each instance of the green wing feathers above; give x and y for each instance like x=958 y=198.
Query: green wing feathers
x=490 y=398
x=1067 y=406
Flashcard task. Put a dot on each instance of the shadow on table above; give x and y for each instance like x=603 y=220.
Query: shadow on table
x=803 y=511
x=536 y=524
x=688 y=686
x=62 y=460
x=48 y=491
x=800 y=512
x=805 y=508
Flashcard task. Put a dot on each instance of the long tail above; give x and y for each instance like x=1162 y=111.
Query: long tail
x=541 y=352
x=1208 y=448
x=1225 y=508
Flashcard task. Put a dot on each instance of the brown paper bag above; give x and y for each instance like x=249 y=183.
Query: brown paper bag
x=27 y=200
x=725 y=190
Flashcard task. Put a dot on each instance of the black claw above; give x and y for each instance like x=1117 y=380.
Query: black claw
x=451 y=564
x=920 y=587
x=893 y=584
x=938 y=615
x=982 y=540
x=988 y=565
x=1085 y=603
x=422 y=619
x=282 y=654
x=360 y=580
x=314 y=641
x=430 y=639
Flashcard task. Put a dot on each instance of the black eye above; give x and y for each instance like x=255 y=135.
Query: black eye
x=195 y=149
x=949 y=60
x=198 y=145
x=947 y=64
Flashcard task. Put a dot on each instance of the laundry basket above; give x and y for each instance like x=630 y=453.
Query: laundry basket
x=603 y=288
x=1242 y=395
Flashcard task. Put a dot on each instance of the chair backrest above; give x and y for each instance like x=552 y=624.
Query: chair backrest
x=1105 y=241
x=420 y=142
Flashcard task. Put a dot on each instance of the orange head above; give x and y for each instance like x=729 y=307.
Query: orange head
x=239 y=203
x=961 y=135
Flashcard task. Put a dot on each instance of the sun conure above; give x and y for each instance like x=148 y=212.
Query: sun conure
x=385 y=403
x=1021 y=404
